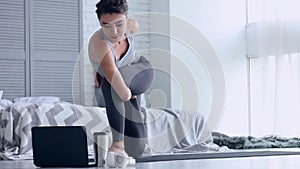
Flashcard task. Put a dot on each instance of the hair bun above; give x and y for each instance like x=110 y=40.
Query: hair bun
x=111 y=6
x=119 y=2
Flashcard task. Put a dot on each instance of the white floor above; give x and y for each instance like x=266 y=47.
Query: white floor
x=269 y=162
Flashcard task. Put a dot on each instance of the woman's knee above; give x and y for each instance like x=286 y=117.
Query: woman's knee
x=139 y=77
x=142 y=82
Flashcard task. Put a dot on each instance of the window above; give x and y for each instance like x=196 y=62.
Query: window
x=273 y=45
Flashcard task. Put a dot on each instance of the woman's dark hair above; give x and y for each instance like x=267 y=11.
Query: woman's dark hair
x=111 y=6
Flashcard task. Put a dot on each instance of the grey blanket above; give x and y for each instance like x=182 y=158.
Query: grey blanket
x=250 y=142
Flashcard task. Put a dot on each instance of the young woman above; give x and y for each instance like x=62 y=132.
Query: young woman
x=124 y=75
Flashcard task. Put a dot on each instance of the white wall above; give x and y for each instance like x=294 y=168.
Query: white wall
x=90 y=24
x=160 y=95
x=222 y=22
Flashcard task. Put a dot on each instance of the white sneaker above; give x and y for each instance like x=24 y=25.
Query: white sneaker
x=115 y=160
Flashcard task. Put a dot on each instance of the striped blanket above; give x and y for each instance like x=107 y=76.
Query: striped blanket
x=17 y=120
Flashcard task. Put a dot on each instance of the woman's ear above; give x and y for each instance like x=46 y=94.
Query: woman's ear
x=99 y=20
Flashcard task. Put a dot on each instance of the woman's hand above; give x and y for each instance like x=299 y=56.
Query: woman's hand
x=132 y=26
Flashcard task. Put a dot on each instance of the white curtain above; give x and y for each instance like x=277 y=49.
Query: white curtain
x=273 y=46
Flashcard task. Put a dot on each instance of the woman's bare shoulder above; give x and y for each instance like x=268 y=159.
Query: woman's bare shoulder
x=98 y=47
x=97 y=40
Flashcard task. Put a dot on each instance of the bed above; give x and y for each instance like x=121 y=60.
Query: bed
x=169 y=131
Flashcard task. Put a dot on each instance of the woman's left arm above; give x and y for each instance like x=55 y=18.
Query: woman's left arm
x=132 y=26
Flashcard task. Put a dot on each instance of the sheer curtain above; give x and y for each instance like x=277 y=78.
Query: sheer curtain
x=273 y=47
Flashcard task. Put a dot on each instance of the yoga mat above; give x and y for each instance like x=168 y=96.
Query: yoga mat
x=213 y=155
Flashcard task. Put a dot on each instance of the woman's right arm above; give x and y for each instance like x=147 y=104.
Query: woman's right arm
x=100 y=53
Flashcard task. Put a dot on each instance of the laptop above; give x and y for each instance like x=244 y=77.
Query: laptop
x=60 y=146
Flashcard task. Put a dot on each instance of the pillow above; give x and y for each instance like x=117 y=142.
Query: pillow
x=1 y=93
x=5 y=103
x=43 y=99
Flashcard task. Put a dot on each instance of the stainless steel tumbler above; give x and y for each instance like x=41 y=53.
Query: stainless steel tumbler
x=101 y=141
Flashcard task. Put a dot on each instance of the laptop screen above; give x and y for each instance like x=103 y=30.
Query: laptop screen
x=60 y=146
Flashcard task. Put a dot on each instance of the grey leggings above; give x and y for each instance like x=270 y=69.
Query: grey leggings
x=125 y=117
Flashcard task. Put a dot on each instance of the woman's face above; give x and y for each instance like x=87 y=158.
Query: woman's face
x=114 y=26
